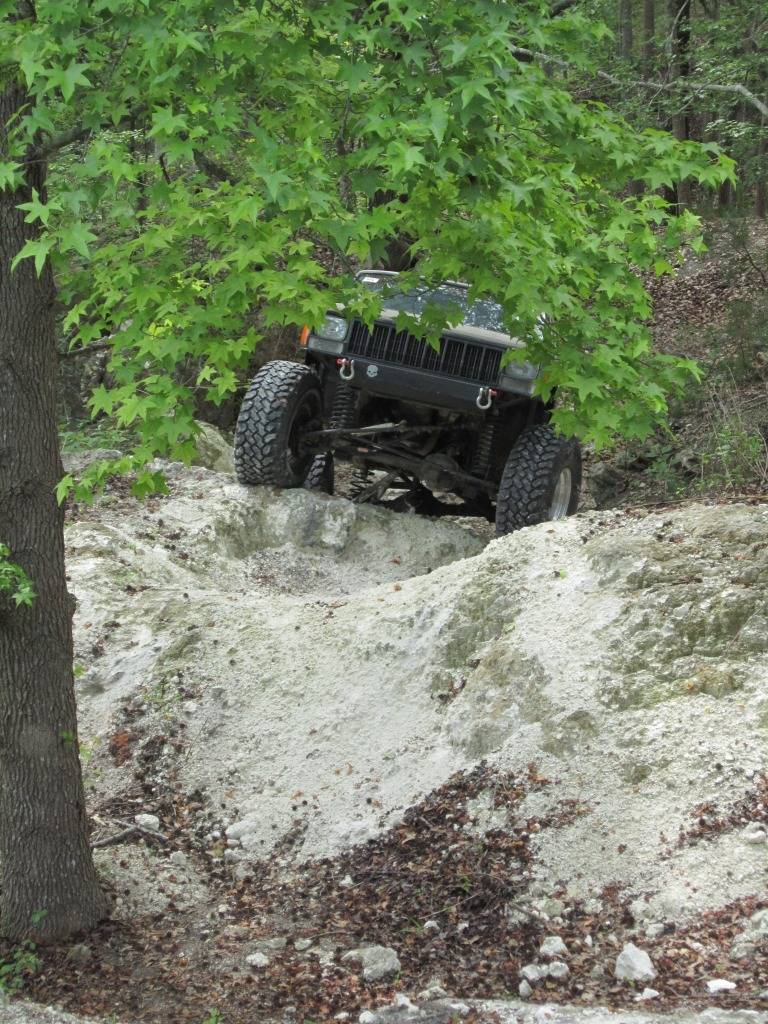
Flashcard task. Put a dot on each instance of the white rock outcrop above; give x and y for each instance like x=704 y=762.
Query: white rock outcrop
x=359 y=658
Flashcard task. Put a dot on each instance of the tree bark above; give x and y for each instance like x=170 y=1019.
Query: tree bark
x=46 y=867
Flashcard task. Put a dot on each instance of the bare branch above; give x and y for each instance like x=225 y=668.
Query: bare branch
x=97 y=346
x=128 y=832
x=679 y=85
x=115 y=840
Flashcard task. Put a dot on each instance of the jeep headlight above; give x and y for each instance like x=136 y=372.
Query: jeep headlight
x=519 y=377
x=333 y=328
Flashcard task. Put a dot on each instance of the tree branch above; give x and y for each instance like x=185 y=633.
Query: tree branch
x=57 y=142
x=679 y=85
x=561 y=6
x=212 y=169
x=87 y=350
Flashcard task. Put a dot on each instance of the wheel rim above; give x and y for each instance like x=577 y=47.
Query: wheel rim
x=561 y=497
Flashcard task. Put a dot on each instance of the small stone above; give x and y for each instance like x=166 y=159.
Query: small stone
x=377 y=961
x=257 y=960
x=764 y=994
x=402 y=1002
x=720 y=985
x=754 y=833
x=588 y=941
x=148 y=821
x=634 y=964
x=431 y=926
x=434 y=990
x=302 y=944
x=553 y=945
x=461 y=1008
x=346 y=882
x=758 y=923
x=80 y=953
x=558 y=970
x=654 y=929
x=341 y=1016
x=524 y=989
x=646 y=995
x=178 y=858
x=366 y=1017
x=742 y=947
x=533 y=973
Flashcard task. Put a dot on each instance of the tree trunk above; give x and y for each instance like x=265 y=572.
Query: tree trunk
x=47 y=878
x=761 y=186
x=649 y=36
x=626 y=30
x=680 y=25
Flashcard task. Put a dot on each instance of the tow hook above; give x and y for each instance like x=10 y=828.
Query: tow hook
x=485 y=397
x=346 y=368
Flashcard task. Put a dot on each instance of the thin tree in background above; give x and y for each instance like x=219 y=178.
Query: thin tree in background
x=679 y=13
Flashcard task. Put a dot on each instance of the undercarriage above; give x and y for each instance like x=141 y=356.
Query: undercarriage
x=500 y=461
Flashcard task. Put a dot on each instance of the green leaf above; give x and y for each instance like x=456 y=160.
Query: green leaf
x=76 y=237
x=67 y=78
x=34 y=248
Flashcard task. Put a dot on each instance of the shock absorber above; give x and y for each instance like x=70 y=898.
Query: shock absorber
x=344 y=408
x=320 y=476
x=481 y=460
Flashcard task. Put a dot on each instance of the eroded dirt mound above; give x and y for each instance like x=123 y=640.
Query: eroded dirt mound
x=582 y=706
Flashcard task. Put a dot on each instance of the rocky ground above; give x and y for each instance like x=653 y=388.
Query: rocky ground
x=339 y=757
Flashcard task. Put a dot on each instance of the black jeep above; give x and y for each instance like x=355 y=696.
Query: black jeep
x=411 y=419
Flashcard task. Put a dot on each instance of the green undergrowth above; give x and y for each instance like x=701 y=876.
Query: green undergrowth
x=87 y=435
x=718 y=437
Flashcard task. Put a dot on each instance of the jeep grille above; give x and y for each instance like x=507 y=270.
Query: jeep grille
x=464 y=360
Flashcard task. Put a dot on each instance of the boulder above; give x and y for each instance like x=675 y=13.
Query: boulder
x=214 y=450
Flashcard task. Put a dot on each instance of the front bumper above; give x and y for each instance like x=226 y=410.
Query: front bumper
x=414 y=386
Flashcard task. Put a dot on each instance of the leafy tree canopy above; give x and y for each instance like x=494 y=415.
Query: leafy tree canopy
x=229 y=152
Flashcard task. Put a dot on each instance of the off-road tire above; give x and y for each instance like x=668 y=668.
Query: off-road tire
x=283 y=399
x=321 y=476
x=530 y=476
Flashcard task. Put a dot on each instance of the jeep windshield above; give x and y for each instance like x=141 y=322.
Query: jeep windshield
x=481 y=313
